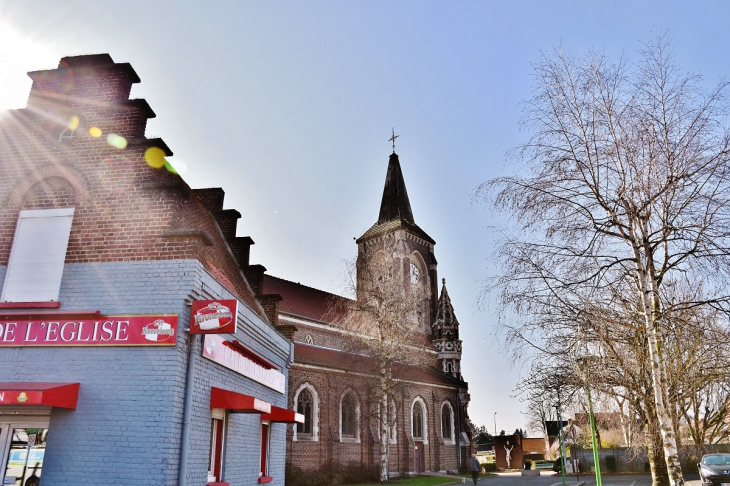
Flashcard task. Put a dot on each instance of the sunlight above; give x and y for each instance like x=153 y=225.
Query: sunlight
x=19 y=54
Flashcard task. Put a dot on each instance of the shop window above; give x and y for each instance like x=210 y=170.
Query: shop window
x=265 y=439
x=447 y=422
x=217 y=441
x=36 y=259
x=348 y=417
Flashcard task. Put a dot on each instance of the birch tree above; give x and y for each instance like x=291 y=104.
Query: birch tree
x=625 y=184
x=382 y=324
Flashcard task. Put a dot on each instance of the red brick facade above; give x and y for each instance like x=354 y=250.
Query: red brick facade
x=127 y=207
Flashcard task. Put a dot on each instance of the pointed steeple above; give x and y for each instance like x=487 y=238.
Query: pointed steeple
x=446 y=325
x=395 y=207
x=395 y=204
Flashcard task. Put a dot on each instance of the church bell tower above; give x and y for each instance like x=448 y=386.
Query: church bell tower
x=409 y=248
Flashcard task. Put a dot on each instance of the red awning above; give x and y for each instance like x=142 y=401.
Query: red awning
x=237 y=402
x=283 y=415
x=62 y=395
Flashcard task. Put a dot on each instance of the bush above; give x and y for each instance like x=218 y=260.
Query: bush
x=490 y=467
x=558 y=464
x=611 y=464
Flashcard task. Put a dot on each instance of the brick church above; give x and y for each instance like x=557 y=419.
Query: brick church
x=336 y=393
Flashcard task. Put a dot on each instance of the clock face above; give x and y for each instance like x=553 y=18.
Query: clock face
x=415 y=273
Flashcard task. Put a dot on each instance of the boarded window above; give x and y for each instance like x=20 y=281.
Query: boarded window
x=36 y=260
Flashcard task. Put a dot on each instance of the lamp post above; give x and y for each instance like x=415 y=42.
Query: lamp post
x=594 y=442
x=495 y=424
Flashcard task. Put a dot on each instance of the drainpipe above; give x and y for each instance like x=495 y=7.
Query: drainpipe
x=188 y=411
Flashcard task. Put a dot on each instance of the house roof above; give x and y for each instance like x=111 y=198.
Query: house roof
x=342 y=360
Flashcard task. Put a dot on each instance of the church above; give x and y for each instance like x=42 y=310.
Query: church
x=336 y=394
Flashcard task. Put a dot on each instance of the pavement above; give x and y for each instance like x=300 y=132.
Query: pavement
x=549 y=478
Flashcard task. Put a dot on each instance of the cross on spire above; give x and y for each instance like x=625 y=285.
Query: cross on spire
x=392 y=139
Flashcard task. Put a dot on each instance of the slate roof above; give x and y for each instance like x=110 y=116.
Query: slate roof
x=342 y=360
x=395 y=207
x=300 y=300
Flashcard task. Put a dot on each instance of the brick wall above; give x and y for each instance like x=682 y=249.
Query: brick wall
x=330 y=386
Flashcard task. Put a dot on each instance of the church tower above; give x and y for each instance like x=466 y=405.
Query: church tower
x=446 y=336
x=407 y=245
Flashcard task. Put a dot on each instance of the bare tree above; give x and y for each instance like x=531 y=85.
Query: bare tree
x=627 y=187
x=383 y=325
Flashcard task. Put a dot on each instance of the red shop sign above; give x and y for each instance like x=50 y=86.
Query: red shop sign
x=214 y=316
x=99 y=331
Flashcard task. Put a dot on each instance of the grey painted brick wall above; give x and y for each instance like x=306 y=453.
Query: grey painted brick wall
x=126 y=429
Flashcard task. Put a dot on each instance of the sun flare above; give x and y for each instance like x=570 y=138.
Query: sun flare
x=19 y=53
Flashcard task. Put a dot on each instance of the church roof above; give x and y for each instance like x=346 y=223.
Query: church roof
x=445 y=315
x=395 y=208
x=342 y=360
x=303 y=301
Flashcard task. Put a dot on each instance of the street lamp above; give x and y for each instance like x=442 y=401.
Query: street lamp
x=495 y=424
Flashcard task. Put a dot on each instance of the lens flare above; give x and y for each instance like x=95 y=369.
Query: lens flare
x=155 y=157
x=73 y=123
x=116 y=141
x=95 y=132
x=177 y=166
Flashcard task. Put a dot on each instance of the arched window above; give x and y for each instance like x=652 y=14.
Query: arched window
x=306 y=402
x=305 y=407
x=447 y=421
x=349 y=416
x=417 y=421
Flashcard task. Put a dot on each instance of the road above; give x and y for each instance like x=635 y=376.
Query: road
x=550 y=479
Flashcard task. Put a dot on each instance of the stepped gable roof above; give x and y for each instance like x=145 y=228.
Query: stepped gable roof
x=341 y=360
x=303 y=301
x=445 y=315
x=395 y=208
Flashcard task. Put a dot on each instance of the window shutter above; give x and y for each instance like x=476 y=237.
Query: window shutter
x=36 y=260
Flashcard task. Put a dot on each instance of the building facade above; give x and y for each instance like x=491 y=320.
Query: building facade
x=336 y=389
x=105 y=255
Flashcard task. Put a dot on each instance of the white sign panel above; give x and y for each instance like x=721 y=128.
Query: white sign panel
x=215 y=350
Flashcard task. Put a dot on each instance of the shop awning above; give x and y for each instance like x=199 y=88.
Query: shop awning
x=283 y=415
x=62 y=395
x=237 y=402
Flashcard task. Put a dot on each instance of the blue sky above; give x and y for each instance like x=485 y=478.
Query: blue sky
x=289 y=106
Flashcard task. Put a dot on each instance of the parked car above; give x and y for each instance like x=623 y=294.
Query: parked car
x=715 y=469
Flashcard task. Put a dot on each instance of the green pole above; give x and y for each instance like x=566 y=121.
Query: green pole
x=562 y=442
x=593 y=429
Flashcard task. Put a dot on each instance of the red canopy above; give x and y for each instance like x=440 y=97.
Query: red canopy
x=283 y=415
x=237 y=402
x=62 y=395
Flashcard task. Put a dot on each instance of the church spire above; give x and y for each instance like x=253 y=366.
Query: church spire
x=445 y=331
x=395 y=204
x=446 y=325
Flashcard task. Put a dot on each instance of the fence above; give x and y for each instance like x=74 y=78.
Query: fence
x=636 y=460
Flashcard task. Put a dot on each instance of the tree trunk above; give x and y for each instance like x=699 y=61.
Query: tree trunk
x=655 y=454
x=384 y=419
x=652 y=314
